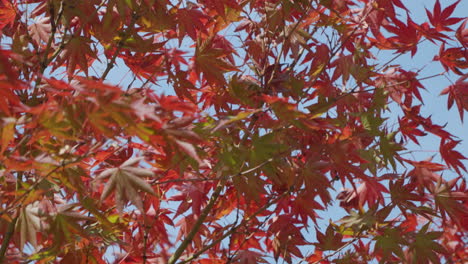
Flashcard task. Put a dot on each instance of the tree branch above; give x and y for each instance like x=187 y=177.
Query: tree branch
x=233 y=229
x=197 y=224
x=6 y=239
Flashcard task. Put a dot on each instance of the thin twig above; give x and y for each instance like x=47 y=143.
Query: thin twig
x=336 y=251
x=120 y=44
x=45 y=61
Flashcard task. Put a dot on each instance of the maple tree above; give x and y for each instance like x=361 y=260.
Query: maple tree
x=220 y=131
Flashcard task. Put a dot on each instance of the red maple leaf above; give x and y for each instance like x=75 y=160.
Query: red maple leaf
x=77 y=53
x=248 y=257
x=453 y=59
x=406 y=39
x=452 y=157
x=424 y=173
x=410 y=224
x=458 y=93
x=213 y=62
x=370 y=192
x=462 y=34
x=441 y=19
x=191 y=22
x=145 y=66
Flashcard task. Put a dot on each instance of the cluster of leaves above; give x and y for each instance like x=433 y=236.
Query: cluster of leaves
x=276 y=104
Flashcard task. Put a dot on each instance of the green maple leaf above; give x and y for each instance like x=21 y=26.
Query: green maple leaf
x=330 y=240
x=425 y=248
x=390 y=243
x=126 y=180
x=66 y=225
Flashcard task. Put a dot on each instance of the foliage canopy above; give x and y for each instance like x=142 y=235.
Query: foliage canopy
x=231 y=123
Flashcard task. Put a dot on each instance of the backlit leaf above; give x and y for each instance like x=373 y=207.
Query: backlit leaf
x=125 y=181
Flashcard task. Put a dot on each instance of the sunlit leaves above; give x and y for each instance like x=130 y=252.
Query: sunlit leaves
x=405 y=39
x=7 y=13
x=189 y=149
x=286 y=237
x=144 y=111
x=245 y=118
x=424 y=174
x=7 y=133
x=370 y=192
x=29 y=223
x=110 y=22
x=126 y=180
x=193 y=196
x=441 y=19
x=191 y=22
x=403 y=195
x=40 y=30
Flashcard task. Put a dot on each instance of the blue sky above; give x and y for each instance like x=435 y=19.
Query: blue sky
x=436 y=105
